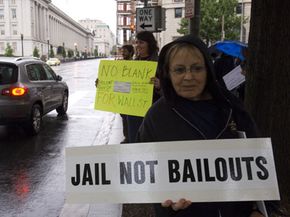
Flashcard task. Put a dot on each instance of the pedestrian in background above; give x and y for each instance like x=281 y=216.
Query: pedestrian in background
x=146 y=50
x=194 y=107
x=127 y=54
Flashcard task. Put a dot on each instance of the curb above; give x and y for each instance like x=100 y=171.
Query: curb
x=99 y=210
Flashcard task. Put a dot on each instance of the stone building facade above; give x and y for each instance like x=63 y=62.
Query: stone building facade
x=104 y=38
x=42 y=25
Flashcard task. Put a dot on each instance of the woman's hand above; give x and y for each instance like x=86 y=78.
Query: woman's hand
x=181 y=204
x=96 y=82
x=256 y=213
x=155 y=81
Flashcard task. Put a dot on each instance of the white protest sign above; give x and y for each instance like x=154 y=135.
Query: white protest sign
x=209 y=170
x=234 y=78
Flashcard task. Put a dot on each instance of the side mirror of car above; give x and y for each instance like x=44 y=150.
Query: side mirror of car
x=58 y=78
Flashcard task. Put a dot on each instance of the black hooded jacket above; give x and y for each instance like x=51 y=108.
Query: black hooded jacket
x=174 y=118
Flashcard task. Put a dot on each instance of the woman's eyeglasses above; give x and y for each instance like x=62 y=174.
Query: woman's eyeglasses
x=180 y=70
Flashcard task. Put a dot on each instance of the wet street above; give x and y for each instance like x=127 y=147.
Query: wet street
x=32 y=181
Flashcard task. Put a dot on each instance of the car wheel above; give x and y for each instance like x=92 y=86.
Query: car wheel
x=34 y=124
x=61 y=110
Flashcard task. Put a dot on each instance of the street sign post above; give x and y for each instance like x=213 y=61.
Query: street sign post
x=150 y=19
x=146 y=19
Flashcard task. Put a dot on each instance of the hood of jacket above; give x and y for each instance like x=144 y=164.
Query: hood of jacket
x=163 y=70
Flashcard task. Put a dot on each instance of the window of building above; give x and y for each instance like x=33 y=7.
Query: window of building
x=120 y=7
x=176 y=1
x=178 y=12
x=14 y=29
x=13 y=13
x=13 y=2
x=1 y=14
x=239 y=8
x=2 y=30
x=1 y=2
x=2 y=46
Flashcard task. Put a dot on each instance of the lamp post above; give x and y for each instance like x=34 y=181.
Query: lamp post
x=76 y=48
x=242 y=21
x=22 y=51
x=194 y=23
x=47 y=48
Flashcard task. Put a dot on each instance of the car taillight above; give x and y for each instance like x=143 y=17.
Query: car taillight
x=15 y=91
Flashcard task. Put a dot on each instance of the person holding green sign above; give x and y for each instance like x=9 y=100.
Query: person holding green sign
x=194 y=107
x=146 y=50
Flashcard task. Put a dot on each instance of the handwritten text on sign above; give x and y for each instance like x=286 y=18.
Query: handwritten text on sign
x=124 y=86
x=214 y=170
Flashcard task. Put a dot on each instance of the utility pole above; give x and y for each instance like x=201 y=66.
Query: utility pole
x=22 y=44
x=145 y=3
x=48 y=48
x=242 y=21
x=223 y=27
x=194 y=22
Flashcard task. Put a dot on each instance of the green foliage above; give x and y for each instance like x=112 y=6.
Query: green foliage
x=59 y=50
x=114 y=50
x=96 y=52
x=183 y=27
x=51 y=53
x=70 y=53
x=212 y=12
x=36 y=52
x=63 y=52
x=8 y=51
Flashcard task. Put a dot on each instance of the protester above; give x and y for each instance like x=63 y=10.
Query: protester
x=194 y=107
x=127 y=54
x=223 y=65
x=146 y=50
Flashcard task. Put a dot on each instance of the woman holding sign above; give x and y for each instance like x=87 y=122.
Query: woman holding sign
x=146 y=50
x=194 y=107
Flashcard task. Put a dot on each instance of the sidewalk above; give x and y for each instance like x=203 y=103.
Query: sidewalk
x=99 y=210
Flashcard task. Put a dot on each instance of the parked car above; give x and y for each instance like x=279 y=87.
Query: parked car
x=53 y=62
x=29 y=89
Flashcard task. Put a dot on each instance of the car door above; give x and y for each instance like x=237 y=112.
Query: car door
x=57 y=86
x=40 y=87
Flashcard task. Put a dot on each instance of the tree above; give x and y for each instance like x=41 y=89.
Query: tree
x=51 y=54
x=96 y=52
x=63 y=53
x=184 y=27
x=8 y=51
x=70 y=53
x=268 y=82
x=36 y=52
x=59 y=50
x=212 y=14
x=114 y=50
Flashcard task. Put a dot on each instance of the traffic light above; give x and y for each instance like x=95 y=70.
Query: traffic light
x=132 y=28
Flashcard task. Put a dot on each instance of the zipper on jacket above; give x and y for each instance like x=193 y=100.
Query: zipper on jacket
x=198 y=130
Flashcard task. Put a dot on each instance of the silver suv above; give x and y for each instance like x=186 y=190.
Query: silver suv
x=29 y=89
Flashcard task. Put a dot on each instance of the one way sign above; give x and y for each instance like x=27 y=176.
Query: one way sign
x=146 y=19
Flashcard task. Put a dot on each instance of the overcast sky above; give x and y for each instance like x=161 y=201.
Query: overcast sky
x=104 y=10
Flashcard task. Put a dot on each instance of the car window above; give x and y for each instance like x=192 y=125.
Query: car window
x=8 y=74
x=49 y=73
x=35 y=72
